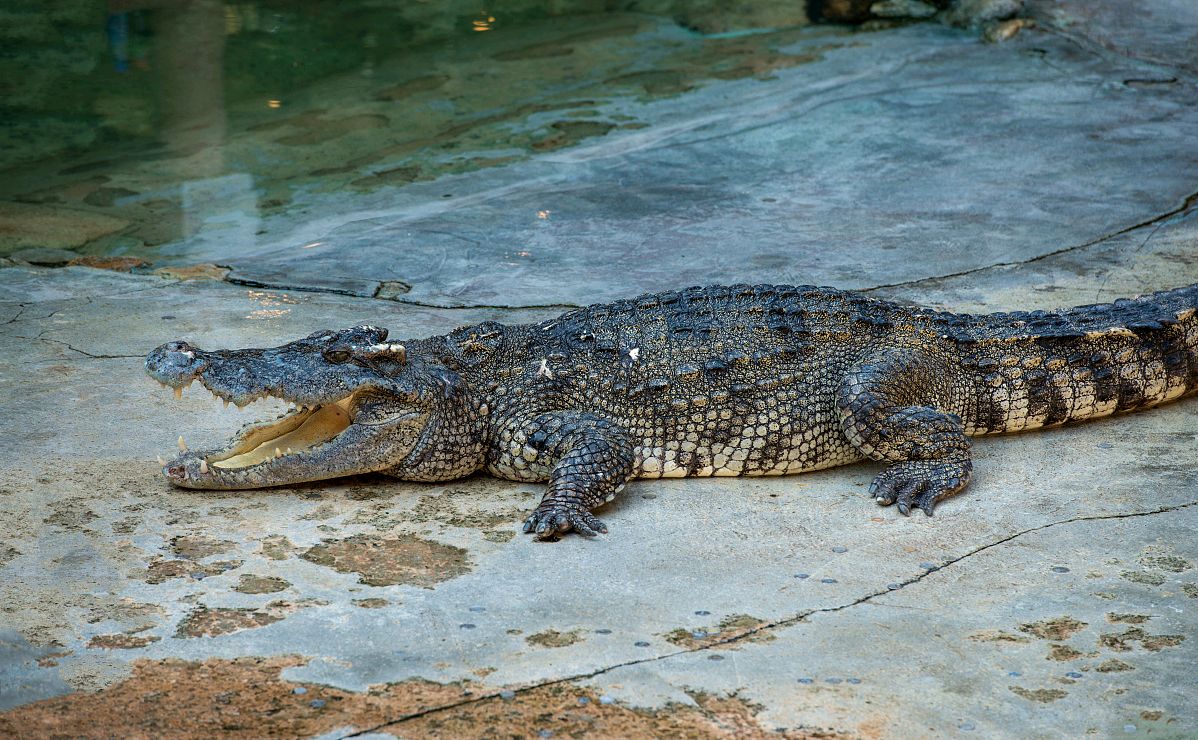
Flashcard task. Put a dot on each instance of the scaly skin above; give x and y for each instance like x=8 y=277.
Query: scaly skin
x=729 y=381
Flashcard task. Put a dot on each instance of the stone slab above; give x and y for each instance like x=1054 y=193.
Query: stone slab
x=907 y=154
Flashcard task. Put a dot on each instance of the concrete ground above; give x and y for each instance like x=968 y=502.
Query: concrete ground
x=1058 y=596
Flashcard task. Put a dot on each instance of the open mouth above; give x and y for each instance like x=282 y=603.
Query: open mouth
x=298 y=433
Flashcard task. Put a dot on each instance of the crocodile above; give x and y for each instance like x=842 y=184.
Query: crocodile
x=732 y=380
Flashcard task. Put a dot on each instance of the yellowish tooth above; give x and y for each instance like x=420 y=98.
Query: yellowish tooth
x=182 y=444
x=204 y=467
x=226 y=402
x=278 y=452
x=289 y=451
x=161 y=462
x=178 y=393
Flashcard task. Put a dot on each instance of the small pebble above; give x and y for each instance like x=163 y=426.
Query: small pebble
x=1060 y=569
x=478 y=608
x=1073 y=674
x=507 y=695
x=605 y=699
x=545 y=733
x=199 y=575
x=1107 y=446
x=894 y=586
x=466 y=626
x=1127 y=728
x=584 y=700
x=702 y=612
x=168 y=317
x=1014 y=674
x=853 y=680
x=299 y=690
x=967 y=726
x=806 y=680
x=648 y=495
x=928 y=566
x=698 y=634
x=641 y=643
x=838 y=549
x=715 y=657
x=317 y=703
x=602 y=631
x=832 y=680
x=801 y=576
x=827 y=580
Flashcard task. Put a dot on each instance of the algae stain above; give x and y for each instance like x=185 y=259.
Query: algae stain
x=730 y=628
x=255 y=584
x=1044 y=696
x=1063 y=652
x=1123 y=642
x=198 y=547
x=121 y=641
x=380 y=561
x=554 y=639
x=1059 y=628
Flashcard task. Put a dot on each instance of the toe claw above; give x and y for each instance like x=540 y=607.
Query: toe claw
x=904 y=507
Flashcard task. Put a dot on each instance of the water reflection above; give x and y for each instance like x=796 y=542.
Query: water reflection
x=169 y=127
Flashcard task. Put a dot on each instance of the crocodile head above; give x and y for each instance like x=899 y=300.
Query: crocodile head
x=361 y=404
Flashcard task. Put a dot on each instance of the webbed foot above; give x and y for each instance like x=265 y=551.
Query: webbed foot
x=552 y=519
x=921 y=483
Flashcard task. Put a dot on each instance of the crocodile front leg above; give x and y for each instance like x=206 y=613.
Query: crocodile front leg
x=590 y=458
x=892 y=410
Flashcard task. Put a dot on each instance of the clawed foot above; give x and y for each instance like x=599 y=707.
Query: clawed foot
x=550 y=520
x=921 y=483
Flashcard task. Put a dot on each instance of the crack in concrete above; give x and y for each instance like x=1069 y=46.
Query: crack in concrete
x=777 y=624
x=85 y=353
x=1188 y=204
x=1094 y=45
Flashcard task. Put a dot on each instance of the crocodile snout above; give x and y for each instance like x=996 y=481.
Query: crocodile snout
x=175 y=363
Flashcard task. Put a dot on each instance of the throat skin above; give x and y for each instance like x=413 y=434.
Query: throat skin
x=743 y=380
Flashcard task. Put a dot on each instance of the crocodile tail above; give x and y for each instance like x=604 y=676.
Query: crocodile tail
x=1028 y=370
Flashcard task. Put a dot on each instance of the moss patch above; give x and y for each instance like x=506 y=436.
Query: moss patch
x=1044 y=696
x=391 y=561
x=554 y=639
x=1060 y=628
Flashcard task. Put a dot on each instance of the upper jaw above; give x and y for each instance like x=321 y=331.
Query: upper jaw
x=235 y=376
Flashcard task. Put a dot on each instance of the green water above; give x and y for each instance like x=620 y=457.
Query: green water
x=118 y=119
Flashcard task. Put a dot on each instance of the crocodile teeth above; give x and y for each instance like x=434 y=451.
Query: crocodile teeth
x=178 y=393
x=204 y=467
x=278 y=452
x=182 y=444
x=226 y=402
x=161 y=462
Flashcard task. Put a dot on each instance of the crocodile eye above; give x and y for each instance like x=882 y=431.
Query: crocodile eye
x=337 y=356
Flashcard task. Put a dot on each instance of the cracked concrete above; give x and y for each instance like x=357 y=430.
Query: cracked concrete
x=1056 y=597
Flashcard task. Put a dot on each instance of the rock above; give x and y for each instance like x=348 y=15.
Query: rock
x=975 y=13
x=45 y=256
x=29 y=225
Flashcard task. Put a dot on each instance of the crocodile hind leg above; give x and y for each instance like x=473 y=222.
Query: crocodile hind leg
x=891 y=409
x=591 y=461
